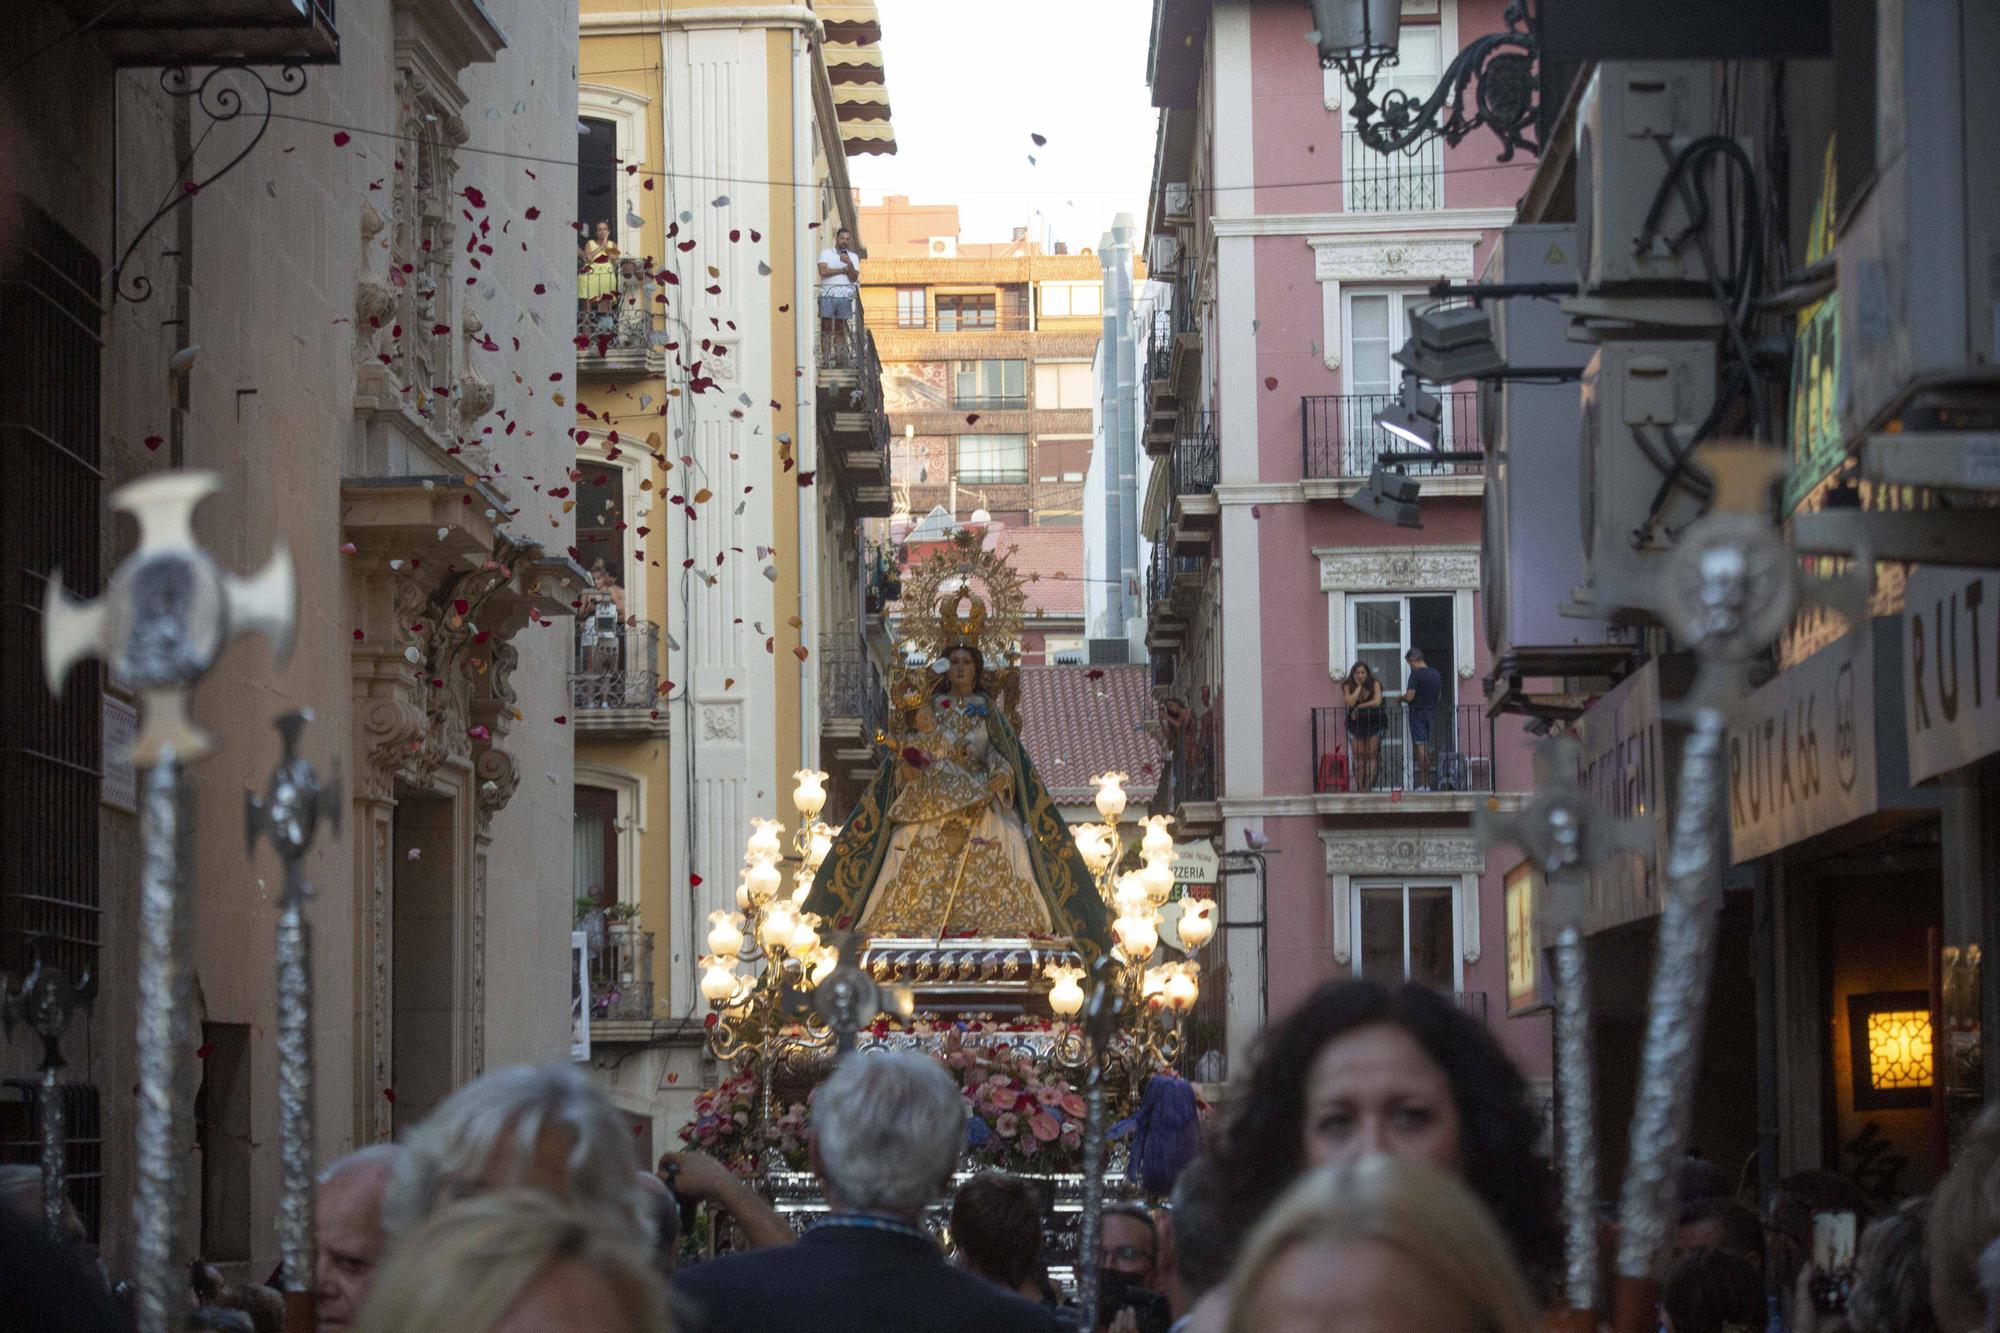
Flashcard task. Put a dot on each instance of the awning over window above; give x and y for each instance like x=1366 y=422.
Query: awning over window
x=854 y=66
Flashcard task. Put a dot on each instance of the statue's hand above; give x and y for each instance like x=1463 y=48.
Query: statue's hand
x=1001 y=784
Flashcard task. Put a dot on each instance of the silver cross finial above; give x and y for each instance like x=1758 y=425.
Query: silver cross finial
x=168 y=612
x=47 y=999
x=290 y=811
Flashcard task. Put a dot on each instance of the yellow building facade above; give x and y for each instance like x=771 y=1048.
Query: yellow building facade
x=725 y=454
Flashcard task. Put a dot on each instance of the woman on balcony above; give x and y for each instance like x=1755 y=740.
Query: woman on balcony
x=1366 y=721
x=597 y=266
x=598 y=634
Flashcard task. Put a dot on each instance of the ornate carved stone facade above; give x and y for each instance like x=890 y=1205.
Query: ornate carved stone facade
x=1383 y=260
x=1398 y=568
x=1437 y=854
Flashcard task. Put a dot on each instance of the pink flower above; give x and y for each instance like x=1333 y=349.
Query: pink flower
x=1075 y=1104
x=1003 y=1097
x=1029 y=1147
x=1007 y=1124
x=1045 y=1126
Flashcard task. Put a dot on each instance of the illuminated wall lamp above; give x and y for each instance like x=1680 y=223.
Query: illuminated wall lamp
x=1890 y=1049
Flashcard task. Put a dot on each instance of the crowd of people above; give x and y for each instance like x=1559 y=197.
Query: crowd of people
x=1379 y=1169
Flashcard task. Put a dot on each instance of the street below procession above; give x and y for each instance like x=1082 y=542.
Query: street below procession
x=1168 y=665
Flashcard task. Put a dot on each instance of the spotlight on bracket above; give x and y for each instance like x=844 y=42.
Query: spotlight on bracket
x=1451 y=343
x=1389 y=496
x=1415 y=417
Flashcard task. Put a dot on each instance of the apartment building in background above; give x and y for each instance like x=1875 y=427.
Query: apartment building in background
x=986 y=365
x=1293 y=254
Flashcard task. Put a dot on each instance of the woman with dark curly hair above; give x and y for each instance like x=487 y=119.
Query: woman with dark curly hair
x=1360 y=1068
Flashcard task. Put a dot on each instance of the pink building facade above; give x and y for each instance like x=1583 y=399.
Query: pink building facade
x=1292 y=254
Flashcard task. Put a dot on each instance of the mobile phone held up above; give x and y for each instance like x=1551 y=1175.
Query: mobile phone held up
x=1832 y=1259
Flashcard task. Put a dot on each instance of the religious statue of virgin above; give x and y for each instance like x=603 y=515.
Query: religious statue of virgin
x=957 y=837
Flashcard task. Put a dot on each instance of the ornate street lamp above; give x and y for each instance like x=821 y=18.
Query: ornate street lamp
x=1359 y=38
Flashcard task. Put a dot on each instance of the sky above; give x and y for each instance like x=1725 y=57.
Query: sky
x=971 y=80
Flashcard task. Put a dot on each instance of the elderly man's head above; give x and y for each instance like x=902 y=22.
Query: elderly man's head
x=347 y=1227
x=887 y=1130
x=541 y=1127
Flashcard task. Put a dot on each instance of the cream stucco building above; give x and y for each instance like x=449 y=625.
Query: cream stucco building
x=364 y=328
x=725 y=457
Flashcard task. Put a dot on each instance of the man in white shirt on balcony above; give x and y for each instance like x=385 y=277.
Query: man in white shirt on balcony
x=839 y=272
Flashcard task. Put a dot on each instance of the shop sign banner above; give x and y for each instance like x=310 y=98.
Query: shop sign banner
x=1196 y=862
x=1951 y=652
x=1624 y=770
x=1801 y=750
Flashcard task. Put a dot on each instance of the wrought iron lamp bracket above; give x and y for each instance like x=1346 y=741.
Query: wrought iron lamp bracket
x=1502 y=64
x=220 y=100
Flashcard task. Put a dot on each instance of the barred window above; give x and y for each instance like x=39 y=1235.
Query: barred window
x=50 y=756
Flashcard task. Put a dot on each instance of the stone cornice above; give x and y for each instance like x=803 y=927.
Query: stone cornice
x=1398 y=568
x=1386 y=225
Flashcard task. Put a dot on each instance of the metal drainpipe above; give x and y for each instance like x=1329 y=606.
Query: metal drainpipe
x=805 y=448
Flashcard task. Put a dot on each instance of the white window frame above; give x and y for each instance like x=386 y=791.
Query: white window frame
x=626 y=110
x=1027 y=464
x=631 y=791
x=1333 y=91
x=1349 y=572
x=1453 y=886
x=1430 y=856
x=637 y=508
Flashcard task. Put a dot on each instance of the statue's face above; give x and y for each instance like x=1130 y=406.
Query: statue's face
x=962 y=671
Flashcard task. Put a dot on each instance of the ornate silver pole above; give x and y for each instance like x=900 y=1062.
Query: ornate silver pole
x=1725 y=590
x=1564 y=835
x=1100 y=1029
x=45 y=1002
x=165 y=617
x=289 y=814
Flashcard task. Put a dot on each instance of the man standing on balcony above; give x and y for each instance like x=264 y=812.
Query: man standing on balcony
x=1425 y=688
x=839 y=271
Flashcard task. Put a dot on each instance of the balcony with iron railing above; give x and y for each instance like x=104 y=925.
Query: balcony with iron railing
x=1406 y=182
x=1342 y=441
x=1197 y=458
x=618 y=322
x=853 y=418
x=1398 y=748
x=185 y=33
x=615 y=675
x=619 y=964
x=853 y=706
x=1159 y=345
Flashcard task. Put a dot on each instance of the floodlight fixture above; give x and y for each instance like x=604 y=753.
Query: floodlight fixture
x=1389 y=496
x=1415 y=417
x=1449 y=343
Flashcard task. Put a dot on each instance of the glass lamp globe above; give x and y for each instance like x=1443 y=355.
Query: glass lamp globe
x=1158 y=877
x=718 y=983
x=820 y=843
x=764 y=844
x=1110 y=798
x=804 y=937
x=824 y=960
x=1197 y=924
x=762 y=880
x=1157 y=842
x=775 y=931
x=1066 y=994
x=809 y=796
x=725 y=933
x=1182 y=989
x=1153 y=985
x=1137 y=936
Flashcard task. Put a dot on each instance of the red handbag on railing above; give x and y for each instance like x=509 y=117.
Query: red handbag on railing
x=1333 y=770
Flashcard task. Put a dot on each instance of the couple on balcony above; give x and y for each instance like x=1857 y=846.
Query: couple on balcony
x=1368 y=717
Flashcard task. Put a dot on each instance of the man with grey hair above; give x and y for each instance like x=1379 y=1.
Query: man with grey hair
x=541 y=1127
x=887 y=1129
x=347 y=1231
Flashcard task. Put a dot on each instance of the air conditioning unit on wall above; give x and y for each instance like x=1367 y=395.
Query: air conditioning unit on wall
x=1531 y=550
x=1919 y=312
x=1642 y=402
x=1635 y=115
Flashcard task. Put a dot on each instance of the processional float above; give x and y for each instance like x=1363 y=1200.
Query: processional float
x=165 y=617
x=1726 y=590
x=787 y=1001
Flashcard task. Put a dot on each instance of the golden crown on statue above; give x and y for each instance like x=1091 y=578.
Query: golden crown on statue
x=961 y=629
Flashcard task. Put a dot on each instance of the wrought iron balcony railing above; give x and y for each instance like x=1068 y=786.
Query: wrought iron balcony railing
x=617 y=665
x=1197 y=458
x=615 y=311
x=620 y=969
x=850 y=689
x=1406 y=182
x=1342 y=440
x=1160 y=345
x=1401 y=747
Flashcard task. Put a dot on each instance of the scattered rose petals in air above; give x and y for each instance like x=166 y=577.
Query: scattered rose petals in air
x=155 y=441
x=341 y=138
x=1040 y=140
x=532 y=213
x=1270 y=381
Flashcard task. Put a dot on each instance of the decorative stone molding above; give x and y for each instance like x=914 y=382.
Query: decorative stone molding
x=721 y=722
x=1433 y=854
x=1398 y=568
x=1383 y=259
